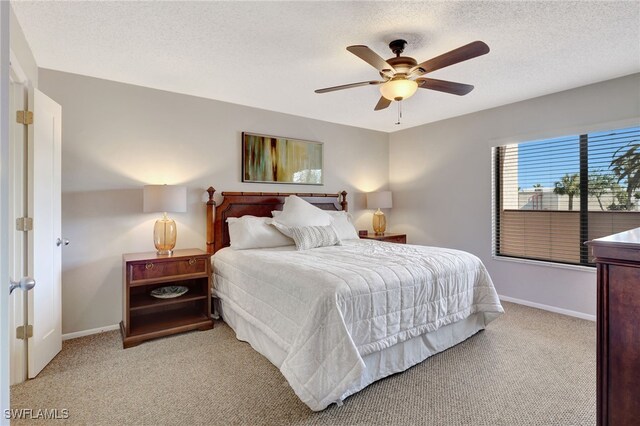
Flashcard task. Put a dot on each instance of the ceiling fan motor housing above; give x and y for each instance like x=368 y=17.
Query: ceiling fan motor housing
x=402 y=64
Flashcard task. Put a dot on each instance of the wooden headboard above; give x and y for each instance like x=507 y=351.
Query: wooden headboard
x=236 y=204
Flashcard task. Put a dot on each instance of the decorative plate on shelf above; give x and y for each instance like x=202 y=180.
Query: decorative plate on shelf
x=169 y=292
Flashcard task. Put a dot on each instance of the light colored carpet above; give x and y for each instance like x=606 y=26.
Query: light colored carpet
x=530 y=367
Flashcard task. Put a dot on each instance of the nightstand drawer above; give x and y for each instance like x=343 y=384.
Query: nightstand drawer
x=167 y=268
x=389 y=238
x=400 y=239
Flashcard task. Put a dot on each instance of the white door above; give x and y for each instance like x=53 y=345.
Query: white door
x=44 y=244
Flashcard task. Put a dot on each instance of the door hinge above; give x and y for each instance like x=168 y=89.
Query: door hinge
x=20 y=332
x=24 y=224
x=24 y=117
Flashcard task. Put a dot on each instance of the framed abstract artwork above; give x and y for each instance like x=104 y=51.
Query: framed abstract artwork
x=273 y=159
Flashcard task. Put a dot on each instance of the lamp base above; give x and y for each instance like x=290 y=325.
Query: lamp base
x=165 y=234
x=379 y=222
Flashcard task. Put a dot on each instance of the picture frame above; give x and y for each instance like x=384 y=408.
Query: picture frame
x=281 y=160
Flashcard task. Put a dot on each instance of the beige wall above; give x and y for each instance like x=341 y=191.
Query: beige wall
x=118 y=137
x=440 y=175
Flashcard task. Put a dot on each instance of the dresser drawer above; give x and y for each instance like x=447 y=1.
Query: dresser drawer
x=143 y=271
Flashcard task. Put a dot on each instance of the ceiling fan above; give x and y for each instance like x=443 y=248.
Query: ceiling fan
x=398 y=74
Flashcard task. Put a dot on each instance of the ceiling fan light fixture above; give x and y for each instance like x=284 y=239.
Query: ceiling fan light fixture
x=399 y=89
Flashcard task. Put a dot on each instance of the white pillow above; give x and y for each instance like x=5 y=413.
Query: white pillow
x=249 y=232
x=308 y=237
x=340 y=220
x=297 y=212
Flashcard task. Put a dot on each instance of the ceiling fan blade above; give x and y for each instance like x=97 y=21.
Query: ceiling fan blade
x=382 y=103
x=466 y=52
x=370 y=57
x=444 y=86
x=349 y=86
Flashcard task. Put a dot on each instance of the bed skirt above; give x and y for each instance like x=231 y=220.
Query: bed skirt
x=386 y=362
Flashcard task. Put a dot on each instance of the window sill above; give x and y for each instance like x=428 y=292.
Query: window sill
x=580 y=268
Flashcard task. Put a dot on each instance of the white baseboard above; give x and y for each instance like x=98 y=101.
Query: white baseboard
x=548 y=308
x=555 y=309
x=83 y=333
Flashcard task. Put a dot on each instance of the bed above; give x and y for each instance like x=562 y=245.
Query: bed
x=336 y=319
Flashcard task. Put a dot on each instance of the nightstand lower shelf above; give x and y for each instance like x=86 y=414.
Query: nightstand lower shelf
x=158 y=324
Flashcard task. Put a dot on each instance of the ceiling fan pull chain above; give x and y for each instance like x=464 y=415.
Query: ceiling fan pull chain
x=399 y=112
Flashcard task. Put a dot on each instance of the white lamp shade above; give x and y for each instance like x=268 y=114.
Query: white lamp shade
x=379 y=200
x=164 y=198
x=397 y=90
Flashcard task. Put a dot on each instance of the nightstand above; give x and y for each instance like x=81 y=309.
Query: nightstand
x=388 y=237
x=146 y=317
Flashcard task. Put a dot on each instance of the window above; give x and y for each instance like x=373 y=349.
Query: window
x=552 y=195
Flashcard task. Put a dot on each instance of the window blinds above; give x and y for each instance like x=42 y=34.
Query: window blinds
x=552 y=195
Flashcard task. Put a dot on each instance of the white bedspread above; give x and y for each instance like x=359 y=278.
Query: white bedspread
x=328 y=307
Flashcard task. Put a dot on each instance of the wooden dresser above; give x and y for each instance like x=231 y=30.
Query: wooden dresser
x=618 y=328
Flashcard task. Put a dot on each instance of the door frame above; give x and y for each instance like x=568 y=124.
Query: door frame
x=17 y=208
x=4 y=210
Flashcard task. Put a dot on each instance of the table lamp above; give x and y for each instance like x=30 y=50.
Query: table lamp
x=379 y=200
x=164 y=198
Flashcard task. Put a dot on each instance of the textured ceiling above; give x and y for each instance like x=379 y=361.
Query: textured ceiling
x=273 y=55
